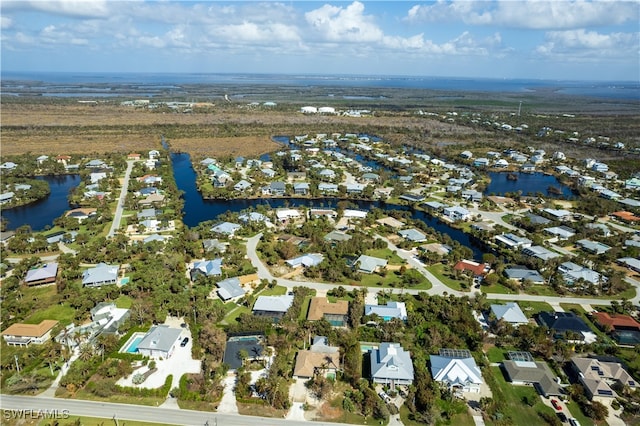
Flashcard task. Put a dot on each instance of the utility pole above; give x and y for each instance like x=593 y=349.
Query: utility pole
x=17 y=365
x=519 y=108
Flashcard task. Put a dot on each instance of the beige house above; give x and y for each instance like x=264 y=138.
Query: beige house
x=320 y=358
x=25 y=334
x=335 y=313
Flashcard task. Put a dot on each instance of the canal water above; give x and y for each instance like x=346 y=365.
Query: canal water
x=196 y=209
x=41 y=214
x=528 y=184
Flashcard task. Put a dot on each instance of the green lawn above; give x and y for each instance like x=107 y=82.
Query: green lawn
x=576 y=412
x=64 y=314
x=391 y=279
x=124 y=302
x=532 y=308
x=386 y=253
x=95 y=421
x=497 y=354
x=438 y=271
x=275 y=291
x=234 y=313
x=514 y=407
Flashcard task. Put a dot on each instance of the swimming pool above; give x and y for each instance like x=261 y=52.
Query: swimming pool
x=131 y=346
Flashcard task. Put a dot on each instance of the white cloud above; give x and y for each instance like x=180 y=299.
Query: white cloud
x=531 y=14
x=69 y=8
x=344 y=24
x=5 y=22
x=582 y=43
x=257 y=33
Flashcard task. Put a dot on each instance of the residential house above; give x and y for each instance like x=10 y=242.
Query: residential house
x=301 y=188
x=387 y=312
x=593 y=247
x=412 y=198
x=101 y=274
x=275 y=188
x=226 y=228
x=6 y=197
x=337 y=236
x=306 y=260
x=391 y=222
x=230 y=289
x=561 y=232
x=24 y=334
x=43 y=274
x=273 y=307
x=521 y=273
x=510 y=313
x=413 y=235
x=566 y=325
x=319 y=359
x=513 y=241
x=471 y=195
x=481 y=162
x=624 y=329
x=599 y=378
x=391 y=365
x=369 y=264
x=477 y=269
x=540 y=252
x=318 y=213
x=522 y=369
x=254 y=217
x=457 y=213
x=242 y=186
x=537 y=220
x=269 y=173
x=160 y=342
x=327 y=187
x=630 y=262
x=285 y=215
x=558 y=214
x=572 y=272
x=457 y=370
x=355 y=188
x=335 y=313
x=207 y=268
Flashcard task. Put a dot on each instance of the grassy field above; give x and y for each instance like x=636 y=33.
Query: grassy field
x=64 y=314
x=391 y=279
x=438 y=271
x=514 y=407
x=78 y=420
x=385 y=253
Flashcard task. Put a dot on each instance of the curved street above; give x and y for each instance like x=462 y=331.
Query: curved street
x=438 y=287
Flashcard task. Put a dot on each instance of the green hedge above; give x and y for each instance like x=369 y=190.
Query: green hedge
x=160 y=392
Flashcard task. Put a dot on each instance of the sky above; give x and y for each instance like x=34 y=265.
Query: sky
x=529 y=39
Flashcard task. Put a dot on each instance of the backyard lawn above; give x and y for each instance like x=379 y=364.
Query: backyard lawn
x=514 y=397
x=439 y=271
x=385 y=253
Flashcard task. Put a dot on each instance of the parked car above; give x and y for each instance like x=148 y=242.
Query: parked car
x=556 y=405
x=184 y=342
x=562 y=417
x=574 y=422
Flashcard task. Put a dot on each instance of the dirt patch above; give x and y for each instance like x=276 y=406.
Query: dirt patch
x=69 y=128
x=327 y=412
x=236 y=146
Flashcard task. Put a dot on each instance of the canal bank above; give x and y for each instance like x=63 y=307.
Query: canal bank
x=197 y=210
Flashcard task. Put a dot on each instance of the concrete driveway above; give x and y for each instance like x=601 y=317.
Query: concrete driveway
x=178 y=364
x=228 y=401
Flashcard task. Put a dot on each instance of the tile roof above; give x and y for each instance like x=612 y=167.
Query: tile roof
x=320 y=306
x=30 y=330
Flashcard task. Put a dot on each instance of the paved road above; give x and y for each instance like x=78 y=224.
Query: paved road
x=438 y=286
x=141 y=413
x=117 y=217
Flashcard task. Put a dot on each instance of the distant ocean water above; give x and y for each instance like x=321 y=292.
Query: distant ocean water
x=600 y=89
